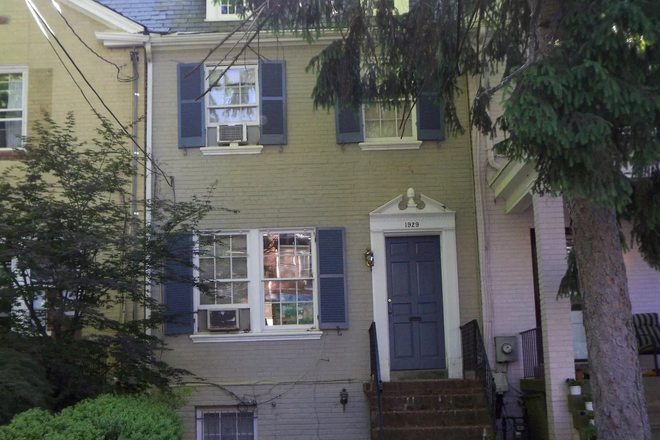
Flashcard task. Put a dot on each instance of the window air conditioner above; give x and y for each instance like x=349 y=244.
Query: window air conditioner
x=223 y=320
x=232 y=133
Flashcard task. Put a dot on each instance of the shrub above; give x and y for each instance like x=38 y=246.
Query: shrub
x=108 y=417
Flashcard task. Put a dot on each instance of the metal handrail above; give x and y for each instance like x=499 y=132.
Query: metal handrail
x=475 y=359
x=532 y=353
x=375 y=373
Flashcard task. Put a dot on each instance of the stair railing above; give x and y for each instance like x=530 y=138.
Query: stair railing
x=475 y=360
x=375 y=373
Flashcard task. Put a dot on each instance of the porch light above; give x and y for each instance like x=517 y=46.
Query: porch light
x=343 y=397
x=369 y=258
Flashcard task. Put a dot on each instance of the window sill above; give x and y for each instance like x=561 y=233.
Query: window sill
x=228 y=151
x=386 y=145
x=257 y=337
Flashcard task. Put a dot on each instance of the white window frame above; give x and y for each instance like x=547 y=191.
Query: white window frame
x=199 y=418
x=391 y=143
x=208 y=69
x=214 y=13
x=24 y=101
x=256 y=303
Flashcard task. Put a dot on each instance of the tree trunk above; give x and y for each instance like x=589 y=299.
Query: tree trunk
x=616 y=382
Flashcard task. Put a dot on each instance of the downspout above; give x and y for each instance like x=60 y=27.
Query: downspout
x=148 y=181
x=135 y=58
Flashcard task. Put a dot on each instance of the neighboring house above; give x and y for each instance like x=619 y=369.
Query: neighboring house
x=33 y=80
x=523 y=246
x=287 y=273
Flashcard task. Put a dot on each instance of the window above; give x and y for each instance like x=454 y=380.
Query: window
x=222 y=10
x=244 y=111
x=223 y=269
x=259 y=284
x=219 y=424
x=12 y=107
x=288 y=278
x=381 y=122
x=235 y=98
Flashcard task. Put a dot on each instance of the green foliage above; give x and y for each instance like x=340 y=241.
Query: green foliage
x=23 y=383
x=106 y=417
x=73 y=258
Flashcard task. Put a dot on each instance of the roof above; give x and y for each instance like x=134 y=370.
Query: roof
x=168 y=16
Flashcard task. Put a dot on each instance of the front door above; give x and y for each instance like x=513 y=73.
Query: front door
x=414 y=295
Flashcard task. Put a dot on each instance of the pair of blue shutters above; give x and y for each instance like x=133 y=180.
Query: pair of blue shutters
x=272 y=104
x=333 y=301
x=430 y=120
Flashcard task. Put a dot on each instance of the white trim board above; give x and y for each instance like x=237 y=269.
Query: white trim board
x=428 y=217
x=105 y=15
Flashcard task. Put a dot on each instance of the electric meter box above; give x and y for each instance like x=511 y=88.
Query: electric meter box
x=506 y=349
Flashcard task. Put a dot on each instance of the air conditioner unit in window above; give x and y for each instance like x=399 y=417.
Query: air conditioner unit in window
x=223 y=320
x=232 y=133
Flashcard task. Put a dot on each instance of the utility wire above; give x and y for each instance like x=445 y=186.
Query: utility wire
x=121 y=77
x=40 y=19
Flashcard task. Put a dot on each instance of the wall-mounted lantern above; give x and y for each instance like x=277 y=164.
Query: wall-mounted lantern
x=369 y=258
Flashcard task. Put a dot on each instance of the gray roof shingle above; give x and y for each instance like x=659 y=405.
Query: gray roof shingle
x=168 y=16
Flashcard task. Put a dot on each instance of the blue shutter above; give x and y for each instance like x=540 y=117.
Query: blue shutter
x=272 y=102
x=178 y=287
x=191 y=110
x=348 y=124
x=333 y=304
x=430 y=117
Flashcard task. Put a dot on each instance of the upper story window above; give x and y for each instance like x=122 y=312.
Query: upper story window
x=221 y=10
x=244 y=111
x=382 y=122
x=13 y=103
x=235 y=98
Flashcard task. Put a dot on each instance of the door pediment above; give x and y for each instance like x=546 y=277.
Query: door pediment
x=422 y=212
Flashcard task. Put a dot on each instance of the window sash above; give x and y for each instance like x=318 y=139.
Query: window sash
x=252 y=106
x=13 y=103
x=398 y=112
x=228 y=254
x=225 y=425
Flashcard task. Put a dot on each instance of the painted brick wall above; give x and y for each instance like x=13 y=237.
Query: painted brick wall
x=312 y=181
x=50 y=88
x=291 y=410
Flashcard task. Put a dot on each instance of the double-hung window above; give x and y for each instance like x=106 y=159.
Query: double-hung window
x=383 y=122
x=235 y=97
x=288 y=281
x=237 y=112
x=13 y=99
x=221 y=10
x=224 y=424
x=259 y=282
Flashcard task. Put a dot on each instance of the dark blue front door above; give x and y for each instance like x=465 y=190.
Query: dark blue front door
x=414 y=295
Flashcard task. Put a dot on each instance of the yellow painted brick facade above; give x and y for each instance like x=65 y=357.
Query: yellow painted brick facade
x=309 y=182
x=50 y=88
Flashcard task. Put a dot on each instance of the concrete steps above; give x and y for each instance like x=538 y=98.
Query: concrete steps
x=445 y=409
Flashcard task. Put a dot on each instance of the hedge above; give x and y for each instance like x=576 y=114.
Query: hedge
x=108 y=417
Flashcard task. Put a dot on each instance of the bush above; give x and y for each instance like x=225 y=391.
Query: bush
x=108 y=417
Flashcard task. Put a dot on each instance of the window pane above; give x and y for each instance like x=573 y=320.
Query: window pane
x=240 y=293
x=388 y=128
x=372 y=129
x=16 y=94
x=228 y=426
x=223 y=293
x=239 y=267
x=206 y=269
x=305 y=313
x=305 y=292
x=289 y=314
x=222 y=268
x=211 y=424
x=206 y=245
x=270 y=267
x=239 y=245
x=288 y=291
x=10 y=134
x=272 y=291
x=11 y=115
x=221 y=246
x=246 y=426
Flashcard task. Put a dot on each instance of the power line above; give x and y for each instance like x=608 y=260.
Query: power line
x=40 y=19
